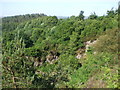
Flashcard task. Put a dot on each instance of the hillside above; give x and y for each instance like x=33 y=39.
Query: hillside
x=41 y=51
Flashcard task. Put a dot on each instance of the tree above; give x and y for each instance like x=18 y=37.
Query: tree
x=93 y=16
x=18 y=71
x=81 y=16
x=111 y=13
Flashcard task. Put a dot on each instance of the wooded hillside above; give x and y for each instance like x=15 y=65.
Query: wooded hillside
x=41 y=51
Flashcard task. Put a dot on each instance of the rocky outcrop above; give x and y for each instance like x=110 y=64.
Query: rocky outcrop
x=52 y=57
x=79 y=56
x=88 y=44
x=81 y=52
x=38 y=61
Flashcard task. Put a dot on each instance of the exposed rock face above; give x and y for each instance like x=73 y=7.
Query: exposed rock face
x=78 y=56
x=89 y=44
x=37 y=62
x=94 y=52
x=52 y=57
x=49 y=58
x=81 y=52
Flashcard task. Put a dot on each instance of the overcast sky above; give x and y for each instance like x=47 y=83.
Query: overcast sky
x=56 y=7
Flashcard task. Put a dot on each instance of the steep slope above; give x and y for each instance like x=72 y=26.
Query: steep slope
x=41 y=52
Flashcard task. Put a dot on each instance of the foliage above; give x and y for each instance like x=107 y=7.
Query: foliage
x=93 y=16
x=109 y=41
x=90 y=67
x=17 y=70
x=41 y=51
x=81 y=16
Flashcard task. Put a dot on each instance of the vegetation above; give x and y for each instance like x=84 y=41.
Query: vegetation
x=41 y=51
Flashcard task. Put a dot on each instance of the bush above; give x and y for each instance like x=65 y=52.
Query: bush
x=107 y=42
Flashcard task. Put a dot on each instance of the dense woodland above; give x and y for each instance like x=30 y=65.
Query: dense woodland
x=40 y=51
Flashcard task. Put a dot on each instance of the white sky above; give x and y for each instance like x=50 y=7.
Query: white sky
x=57 y=0
x=56 y=7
